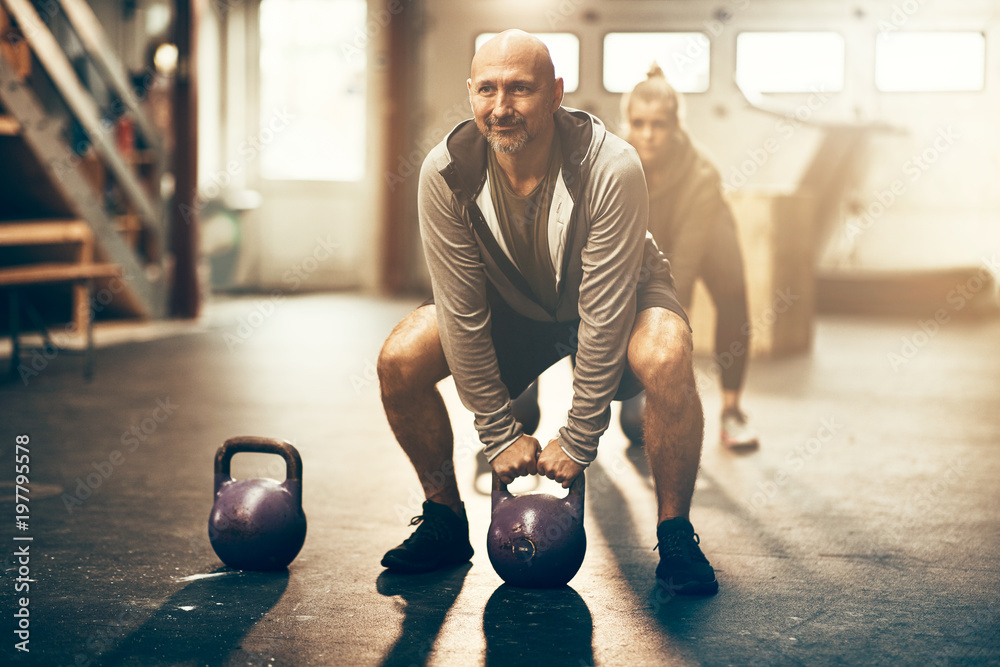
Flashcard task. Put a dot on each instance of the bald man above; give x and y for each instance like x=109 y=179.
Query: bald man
x=533 y=223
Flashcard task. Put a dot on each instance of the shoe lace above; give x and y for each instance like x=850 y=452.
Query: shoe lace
x=678 y=544
x=736 y=415
x=428 y=528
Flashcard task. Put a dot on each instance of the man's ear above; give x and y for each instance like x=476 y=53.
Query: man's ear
x=557 y=95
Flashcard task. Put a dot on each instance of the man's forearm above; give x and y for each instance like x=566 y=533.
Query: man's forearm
x=459 y=282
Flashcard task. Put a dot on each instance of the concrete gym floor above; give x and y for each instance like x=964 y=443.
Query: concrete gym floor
x=864 y=531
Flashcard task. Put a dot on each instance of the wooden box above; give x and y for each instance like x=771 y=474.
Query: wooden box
x=776 y=232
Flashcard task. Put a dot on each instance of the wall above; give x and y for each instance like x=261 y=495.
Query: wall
x=948 y=217
x=304 y=235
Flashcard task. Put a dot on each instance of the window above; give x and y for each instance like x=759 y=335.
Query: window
x=790 y=62
x=930 y=61
x=564 y=47
x=312 y=90
x=683 y=57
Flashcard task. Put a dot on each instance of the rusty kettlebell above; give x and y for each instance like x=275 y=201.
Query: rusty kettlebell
x=257 y=524
x=537 y=540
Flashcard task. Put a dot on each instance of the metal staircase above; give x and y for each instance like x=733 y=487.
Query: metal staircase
x=55 y=132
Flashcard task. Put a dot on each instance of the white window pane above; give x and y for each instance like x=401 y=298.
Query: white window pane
x=312 y=90
x=564 y=48
x=684 y=58
x=938 y=61
x=790 y=62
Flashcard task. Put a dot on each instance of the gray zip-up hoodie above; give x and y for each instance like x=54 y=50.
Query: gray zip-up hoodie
x=601 y=252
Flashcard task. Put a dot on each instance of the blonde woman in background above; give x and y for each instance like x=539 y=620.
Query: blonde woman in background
x=694 y=227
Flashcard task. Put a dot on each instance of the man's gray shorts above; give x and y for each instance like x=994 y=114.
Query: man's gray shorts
x=525 y=348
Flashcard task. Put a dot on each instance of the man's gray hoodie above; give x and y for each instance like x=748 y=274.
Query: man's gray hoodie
x=601 y=252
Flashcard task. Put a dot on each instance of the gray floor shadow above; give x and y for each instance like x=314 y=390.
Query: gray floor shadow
x=680 y=617
x=204 y=623
x=525 y=626
x=428 y=598
x=636 y=455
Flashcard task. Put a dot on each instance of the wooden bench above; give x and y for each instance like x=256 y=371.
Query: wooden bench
x=40 y=274
x=80 y=274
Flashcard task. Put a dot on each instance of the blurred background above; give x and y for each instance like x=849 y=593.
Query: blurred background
x=161 y=152
x=228 y=189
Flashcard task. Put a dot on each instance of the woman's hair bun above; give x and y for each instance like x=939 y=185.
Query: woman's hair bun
x=655 y=72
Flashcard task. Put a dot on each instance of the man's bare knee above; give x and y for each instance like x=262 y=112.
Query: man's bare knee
x=412 y=358
x=660 y=350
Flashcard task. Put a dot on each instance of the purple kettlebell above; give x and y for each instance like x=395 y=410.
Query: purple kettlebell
x=537 y=540
x=257 y=524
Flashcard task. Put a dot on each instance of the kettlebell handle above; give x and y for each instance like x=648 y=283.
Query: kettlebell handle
x=258 y=445
x=574 y=497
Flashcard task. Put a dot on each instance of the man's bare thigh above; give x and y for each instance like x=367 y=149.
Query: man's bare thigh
x=416 y=344
x=661 y=326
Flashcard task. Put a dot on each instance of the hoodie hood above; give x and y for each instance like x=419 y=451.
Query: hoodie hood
x=676 y=163
x=465 y=173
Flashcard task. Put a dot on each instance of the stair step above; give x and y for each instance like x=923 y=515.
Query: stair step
x=40 y=190
x=43 y=232
x=33 y=274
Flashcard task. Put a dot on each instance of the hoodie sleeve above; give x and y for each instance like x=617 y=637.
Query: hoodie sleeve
x=458 y=279
x=612 y=257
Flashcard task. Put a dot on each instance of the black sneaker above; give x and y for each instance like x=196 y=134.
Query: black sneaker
x=440 y=540
x=683 y=568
